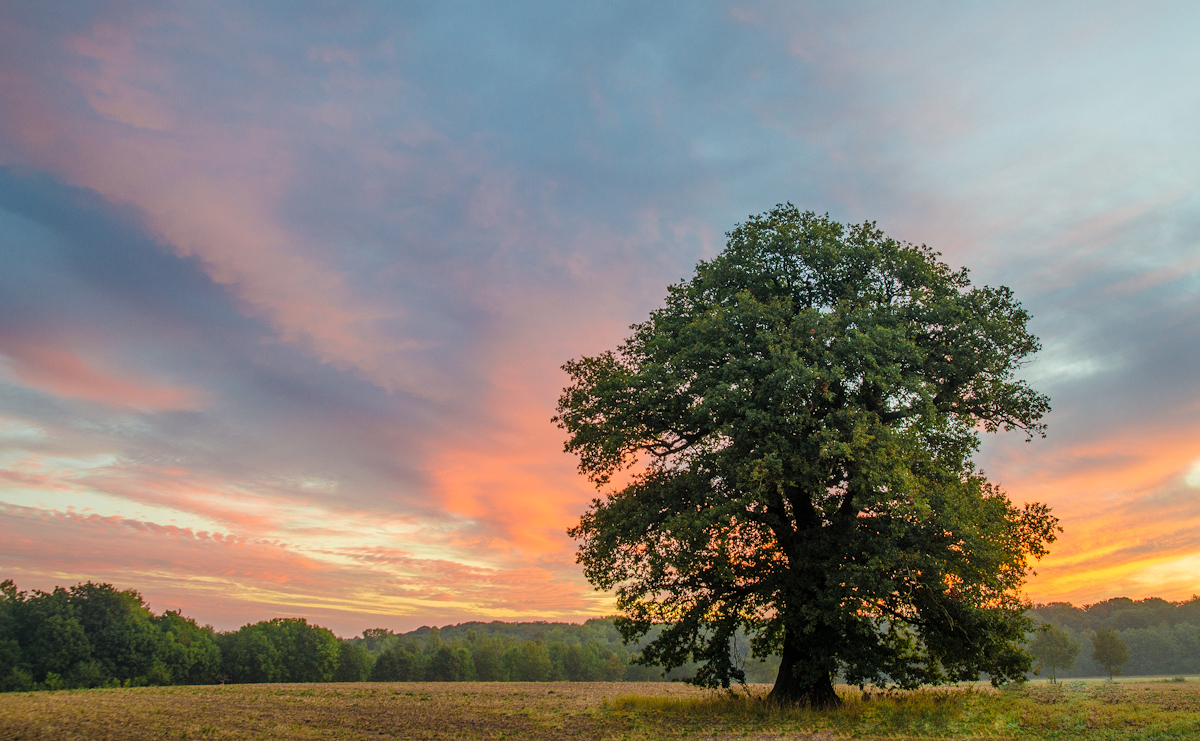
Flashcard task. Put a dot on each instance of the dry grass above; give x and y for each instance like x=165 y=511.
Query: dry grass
x=324 y=711
x=1075 y=710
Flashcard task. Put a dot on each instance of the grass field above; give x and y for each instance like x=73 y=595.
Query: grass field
x=1071 y=710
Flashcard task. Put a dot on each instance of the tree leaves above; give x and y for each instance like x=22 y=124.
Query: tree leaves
x=798 y=422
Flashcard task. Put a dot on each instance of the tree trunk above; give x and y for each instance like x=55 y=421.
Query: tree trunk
x=797 y=684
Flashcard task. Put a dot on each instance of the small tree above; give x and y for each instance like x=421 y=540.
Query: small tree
x=1054 y=649
x=1109 y=651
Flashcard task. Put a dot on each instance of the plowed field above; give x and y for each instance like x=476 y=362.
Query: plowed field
x=1074 y=710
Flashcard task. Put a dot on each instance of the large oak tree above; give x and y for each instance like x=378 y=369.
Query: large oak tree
x=794 y=430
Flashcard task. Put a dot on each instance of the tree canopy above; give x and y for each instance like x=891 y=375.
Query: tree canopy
x=795 y=429
x=93 y=635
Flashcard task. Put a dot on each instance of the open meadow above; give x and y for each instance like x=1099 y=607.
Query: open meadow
x=1161 y=709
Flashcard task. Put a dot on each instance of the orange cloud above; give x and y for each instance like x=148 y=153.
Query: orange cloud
x=1131 y=519
x=510 y=472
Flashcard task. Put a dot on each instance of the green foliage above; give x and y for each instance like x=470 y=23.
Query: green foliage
x=807 y=406
x=1161 y=636
x=120 y=631
x=528 y=662
x=354 y=663
x=94 y=635
x=280 y=650
x=450 y=664
x=499 y=652
x=1121 y=614
x=1125 y=614
x=250 y=655
x=16 y=680
x=585 y=663
x=375 y=640
x=1054 y=650
x=51 y=636
x=10 y=647
x=45 y=644
x=187 y=653
x=1109 y=651
x=487 y=655
x=399 y=664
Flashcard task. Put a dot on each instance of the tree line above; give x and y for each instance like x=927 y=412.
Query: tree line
x=1118 y=636
x=95 y=635
x=524 y=652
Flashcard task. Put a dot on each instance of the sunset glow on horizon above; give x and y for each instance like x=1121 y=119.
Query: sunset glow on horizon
x=285 y=294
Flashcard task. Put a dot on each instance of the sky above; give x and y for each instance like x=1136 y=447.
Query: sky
x=285 y=288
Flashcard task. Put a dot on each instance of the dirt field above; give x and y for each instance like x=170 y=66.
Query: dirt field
x=1074 y=710
x=325 y=711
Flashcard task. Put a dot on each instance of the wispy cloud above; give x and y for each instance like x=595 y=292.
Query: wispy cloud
x=285 y=294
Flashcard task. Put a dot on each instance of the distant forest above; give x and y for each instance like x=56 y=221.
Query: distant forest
x=94 y=635
x=1162 y=637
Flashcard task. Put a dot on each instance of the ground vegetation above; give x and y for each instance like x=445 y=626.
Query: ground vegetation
x=604 y=711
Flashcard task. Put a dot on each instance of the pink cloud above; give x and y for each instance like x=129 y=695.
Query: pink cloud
x=118 y=88
x=64 y=373
x=225 y=579
x=208 y=189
